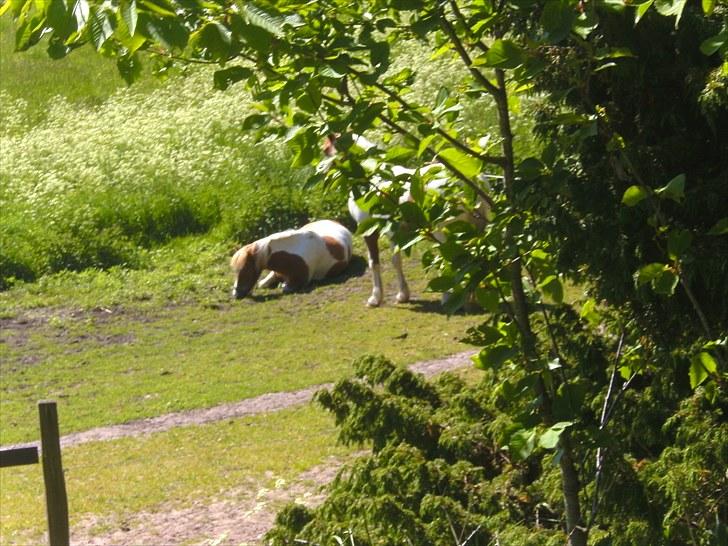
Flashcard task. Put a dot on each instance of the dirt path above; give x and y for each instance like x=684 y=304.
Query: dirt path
x=234 y=518
x=260 y=404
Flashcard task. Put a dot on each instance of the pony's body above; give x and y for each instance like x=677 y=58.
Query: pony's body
x=372 y=240
x=294 y=257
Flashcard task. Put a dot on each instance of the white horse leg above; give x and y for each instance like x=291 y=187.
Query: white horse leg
x=373 y=247
x=271 y=280
x=403 y=295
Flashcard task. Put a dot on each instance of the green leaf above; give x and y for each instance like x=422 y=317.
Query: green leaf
x=379 y=53
x=701 y=366
x=720 y=228
x=442 y=95
x=128 y=11
x=585 y=24
x=678 y=242
x=403 y=77
x=168 y=32
x=660 y=276
x=590 y=313
x=255 y=121
x=5 y=7
x=417 y=190
x=57 y=49
x=214 y=38
x=714 y=43
x=552 y=289
x=329 y=71
x=130 y=68
x=634 y=195
x=488 y=298
x=60 y=18
x=641 y=10
x=398 y=154
x=101 y=29
x=522 y=443
x=368 y=226
x=557 y=18
x=494 y=356
x=468 y=165
x=670 y=8
x=530 y=168
x=451 y=250
x=454 y=301
x=28 y=33
x=666 y=283
x=412 y=214
x=442 y=283
x=424 y=143
x=550 y=438
x=708 y=6
x=614 y=53
x=504 y=54
x=160 y=7
x=225 y=78
x=305 y=147
x=674 y=189
x=310 y=100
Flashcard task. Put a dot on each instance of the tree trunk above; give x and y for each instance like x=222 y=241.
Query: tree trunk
x=576 y=532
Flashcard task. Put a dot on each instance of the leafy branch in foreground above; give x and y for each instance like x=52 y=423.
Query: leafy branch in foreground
x=626 y=98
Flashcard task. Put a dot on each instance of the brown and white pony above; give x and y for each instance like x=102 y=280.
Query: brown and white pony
x=294 y=257
x=372 y=240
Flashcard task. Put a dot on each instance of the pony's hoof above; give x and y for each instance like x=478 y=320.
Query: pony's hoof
x=403 y=297
x=373 y=302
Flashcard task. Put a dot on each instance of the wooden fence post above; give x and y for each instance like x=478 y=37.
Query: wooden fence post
x=55 y=484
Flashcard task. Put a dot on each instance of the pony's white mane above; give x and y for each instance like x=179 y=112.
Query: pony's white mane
x=257 y=250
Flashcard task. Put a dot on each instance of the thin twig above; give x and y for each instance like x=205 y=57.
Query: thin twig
x=602 y=424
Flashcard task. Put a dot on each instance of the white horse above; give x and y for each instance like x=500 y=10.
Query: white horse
x=372 y=240
x=294 y=257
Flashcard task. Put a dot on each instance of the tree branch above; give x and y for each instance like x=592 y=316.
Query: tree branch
x=465 y=56
x=485 y=158
x=460 y=17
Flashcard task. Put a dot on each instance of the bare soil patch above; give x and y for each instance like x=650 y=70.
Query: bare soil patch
x=238 y=517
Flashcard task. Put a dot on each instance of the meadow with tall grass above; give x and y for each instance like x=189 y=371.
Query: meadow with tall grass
x=95 y=187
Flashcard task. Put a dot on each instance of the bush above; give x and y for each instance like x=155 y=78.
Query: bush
x=440 y=468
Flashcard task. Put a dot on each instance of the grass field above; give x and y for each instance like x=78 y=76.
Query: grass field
x=120 y=210
x=115 y=362
x=145 y=357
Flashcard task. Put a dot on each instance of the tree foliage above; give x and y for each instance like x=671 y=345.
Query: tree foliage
x=624 y=193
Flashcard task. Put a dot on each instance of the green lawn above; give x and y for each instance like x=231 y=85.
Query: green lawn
x=111 y=363
x=170 y=470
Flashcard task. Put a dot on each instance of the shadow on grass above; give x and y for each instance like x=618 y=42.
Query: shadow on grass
x=436 y=307
x=426 y=306
x=357 y=268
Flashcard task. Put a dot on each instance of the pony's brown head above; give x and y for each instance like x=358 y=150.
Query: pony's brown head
x=329 y=145
x=246 y=269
